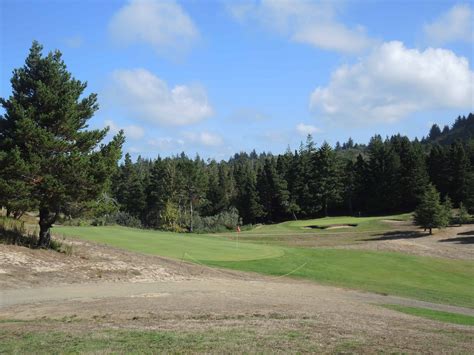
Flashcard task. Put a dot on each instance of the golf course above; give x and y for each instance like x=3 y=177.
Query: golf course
x=419 y=277
x=236 y=177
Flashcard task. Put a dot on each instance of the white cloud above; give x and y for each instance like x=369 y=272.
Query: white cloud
x=248 y=114
x=203 y=138
x=305 y=129
x=394 y=81
x=131 y=131
x=165 y=143
x=162 y=24
x=303 y=21
x=149 y=98
x=74 y=42
x=454 y=25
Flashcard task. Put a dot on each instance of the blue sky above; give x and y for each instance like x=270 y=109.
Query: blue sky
x=216 y=77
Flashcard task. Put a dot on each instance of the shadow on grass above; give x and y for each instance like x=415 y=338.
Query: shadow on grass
x=469 y=239
x=395 y=235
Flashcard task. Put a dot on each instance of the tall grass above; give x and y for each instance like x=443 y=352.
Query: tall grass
x=13 y=231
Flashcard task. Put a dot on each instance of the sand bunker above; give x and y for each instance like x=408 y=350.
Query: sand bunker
x=332 y=226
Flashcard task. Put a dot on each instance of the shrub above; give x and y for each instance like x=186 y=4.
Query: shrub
x=463 y=216
x=224 y=221
x=123 y=219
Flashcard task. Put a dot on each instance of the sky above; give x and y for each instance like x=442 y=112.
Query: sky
x=217 y=77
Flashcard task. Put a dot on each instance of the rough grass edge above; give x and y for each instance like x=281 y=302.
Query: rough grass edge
x=440 y=316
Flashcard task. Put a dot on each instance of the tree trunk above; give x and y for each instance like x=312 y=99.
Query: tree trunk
x=46 y=221
x=191 y=211
x=431 y=231
x=44 y=236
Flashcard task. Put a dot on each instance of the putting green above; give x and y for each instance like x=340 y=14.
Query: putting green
x=174 y=245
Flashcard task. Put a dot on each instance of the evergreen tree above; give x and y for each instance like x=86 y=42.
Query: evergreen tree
x=459 y=167
x=327 y=188
x=383 y=169
x=361 y=185
x=130 y=189
x=435 y=132
x=448 y=210
x=438 y=169
x=463 y=214
x=273 y=193
x=44 y=133
x=430 y=213
x=413 y=176
x=247 y=200
x=348 y=182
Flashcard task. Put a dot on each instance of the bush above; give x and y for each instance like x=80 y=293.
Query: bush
x=123 y=219
x=75 y=222
x=222 y=222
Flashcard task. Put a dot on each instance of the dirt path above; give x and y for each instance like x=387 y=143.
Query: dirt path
x=209 y=293
x=326 y=318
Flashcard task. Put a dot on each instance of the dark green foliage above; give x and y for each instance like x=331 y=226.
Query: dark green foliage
x=448 y=210
x=459 y=165
x=221 y=222
x=463 y=215
x=438 y=169
x=47 y=154
x=388 y=175
x=247 y=200
x=131 y=187
x=50 y=162
x=462 y=129
x=326 y=182
x=273 y=192
x=430 y=213
x=383 y=176
x=123 y=219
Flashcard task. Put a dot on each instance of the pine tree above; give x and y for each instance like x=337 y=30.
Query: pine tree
x=130 y=191
x=435 y=132
x=383 y=169
x=448 y=210
x=459 y=167
x=327 y=187
x=413 y=176
x=438 y=169
x=361 y=185
x=247 y=200
x=44 y=132
x=430 y=213
x=273 y=192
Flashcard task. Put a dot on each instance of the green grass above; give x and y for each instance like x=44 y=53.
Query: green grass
x=446 y=317
x=425 y=278
x=240 y=340
x=430 y=279
x=174 y=245
x=364 y=224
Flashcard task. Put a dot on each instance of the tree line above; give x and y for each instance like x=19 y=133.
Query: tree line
x=51 y=163
x=385 y=176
